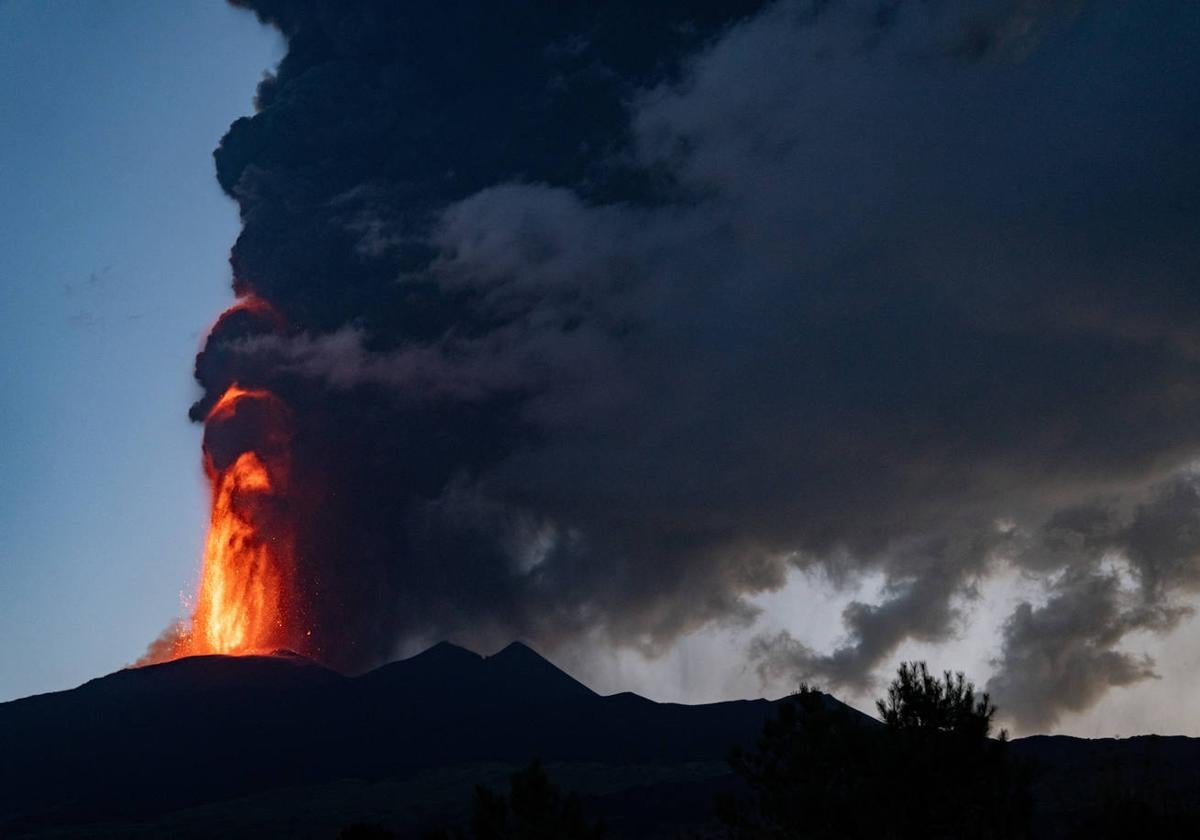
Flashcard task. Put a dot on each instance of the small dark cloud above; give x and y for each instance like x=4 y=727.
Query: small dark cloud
x=84 y=319
x=98 y=278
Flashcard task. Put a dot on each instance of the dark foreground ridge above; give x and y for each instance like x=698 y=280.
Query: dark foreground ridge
x=143 y=742
x=264 y=745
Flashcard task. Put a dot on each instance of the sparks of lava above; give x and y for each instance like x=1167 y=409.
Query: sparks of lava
x=247 y=583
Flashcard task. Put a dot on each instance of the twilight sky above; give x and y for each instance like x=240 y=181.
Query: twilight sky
x=732 y=346
x=113 y=264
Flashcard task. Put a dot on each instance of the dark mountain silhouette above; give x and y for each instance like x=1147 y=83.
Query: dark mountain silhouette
x=515 y=672
x=1079 y=782
x=142 y=742
x=231 y=745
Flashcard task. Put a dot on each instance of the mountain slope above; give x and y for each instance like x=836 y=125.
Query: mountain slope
x=147 y=741
x=264 y=745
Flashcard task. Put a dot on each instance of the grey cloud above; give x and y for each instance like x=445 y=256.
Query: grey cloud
x=823 y=294
x=1063 y=656
x=922 y=610
x=1162 y=541
x=956 y=402
x=342 y=360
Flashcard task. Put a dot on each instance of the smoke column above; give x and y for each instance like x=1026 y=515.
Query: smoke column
x=591 y=323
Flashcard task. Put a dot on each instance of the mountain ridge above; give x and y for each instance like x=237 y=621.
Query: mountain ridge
x=131 y=747
x=146 y=741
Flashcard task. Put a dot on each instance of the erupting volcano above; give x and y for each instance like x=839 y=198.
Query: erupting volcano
x=248 y=566
x=247 y=600
x=247 y=588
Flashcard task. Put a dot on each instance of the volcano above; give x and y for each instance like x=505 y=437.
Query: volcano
x=143 y=742
x=274 y=744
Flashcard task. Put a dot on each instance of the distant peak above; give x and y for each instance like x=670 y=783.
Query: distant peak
x=517 y=649
x=447 y=645
x=439 y=657
x=535 y=672
x=443 y=663
x=447 y=650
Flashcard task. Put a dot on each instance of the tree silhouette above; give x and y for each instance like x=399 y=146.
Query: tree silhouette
x=809 y=774
x=535 y=809
x=930 y=771
x=949 y=777
x=917 y=701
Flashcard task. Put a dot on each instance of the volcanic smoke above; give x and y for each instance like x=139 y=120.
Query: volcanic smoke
x=576 y=323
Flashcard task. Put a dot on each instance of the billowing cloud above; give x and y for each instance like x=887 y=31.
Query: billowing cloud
x=921 y=610
x=602 y=322
x=1063 y=656
x=1126 y=571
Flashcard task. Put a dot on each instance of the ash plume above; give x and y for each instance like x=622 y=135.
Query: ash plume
x=597 y=320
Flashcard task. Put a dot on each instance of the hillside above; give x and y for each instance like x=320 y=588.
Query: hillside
x=263 y=745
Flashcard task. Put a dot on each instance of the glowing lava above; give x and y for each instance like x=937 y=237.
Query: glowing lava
x=247 y=583
x=241 y=603
x=225 y=407
x=248 y=599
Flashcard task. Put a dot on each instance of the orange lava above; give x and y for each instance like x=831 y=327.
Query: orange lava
x=247 y=582
x=254 y=304
x=241 y=604
x=247 y=598
x=224 y=408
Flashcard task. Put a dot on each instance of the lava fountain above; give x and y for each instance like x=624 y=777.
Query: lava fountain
x=247 y=583
x=248 y=596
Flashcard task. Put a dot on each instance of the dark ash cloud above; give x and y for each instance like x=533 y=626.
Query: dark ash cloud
x=1062 y=656
x=921 y=610
x=601 y=321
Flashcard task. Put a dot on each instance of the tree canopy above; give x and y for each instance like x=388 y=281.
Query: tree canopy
x=931 y=770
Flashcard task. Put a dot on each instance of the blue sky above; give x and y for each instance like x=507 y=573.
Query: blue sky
x=112 y=266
